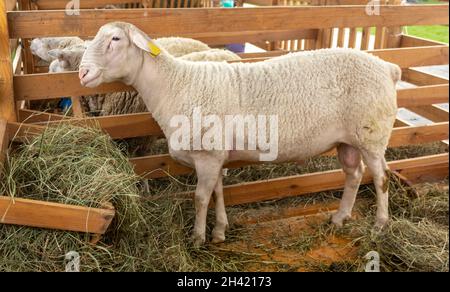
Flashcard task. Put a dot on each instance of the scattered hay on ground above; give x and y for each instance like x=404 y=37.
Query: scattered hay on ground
x=82 y=166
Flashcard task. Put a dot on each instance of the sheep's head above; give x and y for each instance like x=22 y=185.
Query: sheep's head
x=65 y=59
x=40 y=47
x=114 y=54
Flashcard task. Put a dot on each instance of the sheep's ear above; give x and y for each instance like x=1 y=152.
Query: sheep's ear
x=142 y=41
x=56 y=54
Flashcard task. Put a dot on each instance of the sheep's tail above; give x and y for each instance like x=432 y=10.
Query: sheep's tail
x=396 y=72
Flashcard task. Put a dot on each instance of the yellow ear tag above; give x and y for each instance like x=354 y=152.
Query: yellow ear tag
x=154 y=50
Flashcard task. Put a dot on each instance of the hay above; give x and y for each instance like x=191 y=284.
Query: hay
x=82 y=166
x=416 y=238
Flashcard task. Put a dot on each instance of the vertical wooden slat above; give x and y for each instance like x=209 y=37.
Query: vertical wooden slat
x=319 y=39
x=393 y=35
x=365 y=39
x=7 y=104
x=4 y=139
x=379 y=37
x=352 y=38
x=340 y=37
x=327 y=38
x=76 y=107
x=28 y=60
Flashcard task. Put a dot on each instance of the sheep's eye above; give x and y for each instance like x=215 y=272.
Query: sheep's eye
x=116 y=39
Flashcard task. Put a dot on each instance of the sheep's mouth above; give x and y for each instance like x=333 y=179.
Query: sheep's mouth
x=87 y=81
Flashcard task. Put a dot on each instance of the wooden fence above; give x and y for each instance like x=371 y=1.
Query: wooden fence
x=220 y=26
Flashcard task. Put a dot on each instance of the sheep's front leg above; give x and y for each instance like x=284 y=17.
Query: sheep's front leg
x=208 y=172
x=221 y=226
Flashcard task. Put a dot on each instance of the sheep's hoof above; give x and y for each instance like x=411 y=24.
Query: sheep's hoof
x=218 y=236
x=338 y=219
x=197 y=240
x=380 y=223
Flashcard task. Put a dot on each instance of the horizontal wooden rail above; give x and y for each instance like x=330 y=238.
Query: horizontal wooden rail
x=61 y=4
x=424 y=95
x=54 y=216
x=118 y=127
x=433 y=113
x=416 y=169
x=47 y=85
x=156 y=166
x=30 y=24
x=414 y=41
x=222 y=38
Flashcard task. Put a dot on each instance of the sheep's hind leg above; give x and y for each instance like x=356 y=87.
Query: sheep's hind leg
x=208 y=171
x=218 y=233
x=378 y=167
x=350 y=159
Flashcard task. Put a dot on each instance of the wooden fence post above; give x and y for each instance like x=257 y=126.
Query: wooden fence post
x=393 y=35
x=7 y=105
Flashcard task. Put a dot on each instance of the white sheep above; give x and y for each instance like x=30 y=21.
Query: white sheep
x=323 y=99
x=68 y=59
x=117 y=103
x=41 y=46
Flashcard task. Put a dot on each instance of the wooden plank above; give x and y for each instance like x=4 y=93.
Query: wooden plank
x=365 y=38
x=77 y=108
x=32 y=116
x=167 y=21
x=118 y=127
x=156 y=166
x=222 y=38
x=11 y=5
x=4 y=140
x=379 y=37
x=42 y=214
x=431 y=112
x=414 y=41
x=54 y=85
x=325 y=181
x=419 y=134
x=341 y=38
x=84 y=4
x=424 y=95
x=17 y=61
x=421 y=78
x=352 y=38
x=7 y=103
x=414 y=57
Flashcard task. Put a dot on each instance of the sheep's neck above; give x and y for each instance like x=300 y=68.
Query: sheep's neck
x=152 y=81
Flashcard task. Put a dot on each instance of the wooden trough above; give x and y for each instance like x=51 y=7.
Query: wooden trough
x=22 y=81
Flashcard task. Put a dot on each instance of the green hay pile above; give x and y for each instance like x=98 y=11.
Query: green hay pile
x=82 y=166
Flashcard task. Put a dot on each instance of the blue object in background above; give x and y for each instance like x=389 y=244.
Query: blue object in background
x=227 y=3
x=65 y=103
x=235 y=48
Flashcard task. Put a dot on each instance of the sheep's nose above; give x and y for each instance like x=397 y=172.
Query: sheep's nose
x=82 y=73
